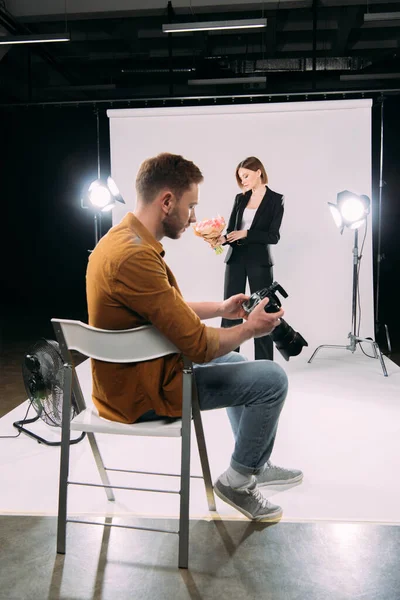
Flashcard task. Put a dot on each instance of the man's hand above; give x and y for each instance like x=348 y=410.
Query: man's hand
x=258 y=324
x=262 y=322
x=234 y=236
x=232 y=307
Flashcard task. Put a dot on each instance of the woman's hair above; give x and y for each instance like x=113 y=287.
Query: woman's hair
x=253 y=164
x=166 y=171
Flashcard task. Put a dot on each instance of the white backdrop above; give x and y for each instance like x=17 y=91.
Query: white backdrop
x=311 y=151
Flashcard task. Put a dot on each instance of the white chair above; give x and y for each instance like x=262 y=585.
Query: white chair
x=126 y=346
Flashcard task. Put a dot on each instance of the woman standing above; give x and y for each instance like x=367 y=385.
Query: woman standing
x=253 y=225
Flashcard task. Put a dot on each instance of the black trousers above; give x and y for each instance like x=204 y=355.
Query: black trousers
x=259 y=276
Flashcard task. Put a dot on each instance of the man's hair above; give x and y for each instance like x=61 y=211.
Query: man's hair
x=252 y=164
x=166 y=171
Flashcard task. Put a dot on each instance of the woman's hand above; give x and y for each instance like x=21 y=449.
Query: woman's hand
x=220 y=240
x=234 y=236
x=232 y=307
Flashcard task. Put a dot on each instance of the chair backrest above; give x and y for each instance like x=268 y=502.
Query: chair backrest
x=120 y=346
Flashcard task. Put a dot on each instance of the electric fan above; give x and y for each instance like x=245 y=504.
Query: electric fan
x=43 y=375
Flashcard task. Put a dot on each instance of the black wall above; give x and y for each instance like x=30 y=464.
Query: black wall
x=46 y=157
x=389 y=281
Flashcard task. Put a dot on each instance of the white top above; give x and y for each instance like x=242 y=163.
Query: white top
x=248 y=216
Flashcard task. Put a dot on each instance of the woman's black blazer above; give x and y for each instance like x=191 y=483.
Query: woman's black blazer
x=264 y=229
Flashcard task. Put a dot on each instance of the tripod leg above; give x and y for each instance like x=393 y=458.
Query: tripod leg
x=314 y=353
x=375 y=351
x=379 y=355
x=389 y=345
x=327 y=346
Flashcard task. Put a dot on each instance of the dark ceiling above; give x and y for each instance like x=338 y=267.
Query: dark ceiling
x=120 y=51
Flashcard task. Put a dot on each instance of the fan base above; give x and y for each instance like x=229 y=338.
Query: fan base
x=19 y=425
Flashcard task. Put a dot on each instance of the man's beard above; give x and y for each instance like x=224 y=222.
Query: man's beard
x=171 y=227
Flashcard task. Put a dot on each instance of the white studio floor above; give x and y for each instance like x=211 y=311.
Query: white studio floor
x=340 y=425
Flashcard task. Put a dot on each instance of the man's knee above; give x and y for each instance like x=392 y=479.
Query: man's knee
x=235 y=357
x=282 y=380
x=274 y=378
x=231 y=357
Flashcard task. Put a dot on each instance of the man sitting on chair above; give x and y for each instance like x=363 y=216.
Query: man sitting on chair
x=129 y=285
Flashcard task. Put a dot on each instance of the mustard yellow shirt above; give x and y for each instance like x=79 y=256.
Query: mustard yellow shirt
x=128 y=284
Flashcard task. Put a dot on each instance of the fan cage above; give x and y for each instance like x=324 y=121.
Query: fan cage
x=43 y=375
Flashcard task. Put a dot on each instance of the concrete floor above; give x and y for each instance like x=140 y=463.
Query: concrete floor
x=228 y=559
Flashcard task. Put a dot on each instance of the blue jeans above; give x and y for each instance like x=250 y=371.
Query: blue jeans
x=253 y=392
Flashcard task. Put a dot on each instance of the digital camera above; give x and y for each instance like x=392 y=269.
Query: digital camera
x=288 y=341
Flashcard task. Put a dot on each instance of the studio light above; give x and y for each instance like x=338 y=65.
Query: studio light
x=350 y=210
x=44 y=38
x=102 y=195
x=215 y=25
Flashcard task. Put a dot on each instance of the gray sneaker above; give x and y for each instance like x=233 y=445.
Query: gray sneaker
x=273 y=475
x=248 y=501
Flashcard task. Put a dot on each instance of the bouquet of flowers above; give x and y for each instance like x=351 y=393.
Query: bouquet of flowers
x=210 y=230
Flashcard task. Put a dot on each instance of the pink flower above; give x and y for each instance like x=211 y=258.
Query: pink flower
x=210 y=230
x=215 y=225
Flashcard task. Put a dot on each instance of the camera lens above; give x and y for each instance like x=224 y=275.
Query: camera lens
x=288 y=341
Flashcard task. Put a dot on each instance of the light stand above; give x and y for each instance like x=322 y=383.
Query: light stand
x=97 y=227
x=379 y=256
x=97 y=215
x=353 y=336
x=101 y=195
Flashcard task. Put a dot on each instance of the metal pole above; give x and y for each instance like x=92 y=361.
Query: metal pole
x=314 y=57
x=170 y=11
x=280 y=96
x=98 y=143
x=355 y=283
x=97 y=216
x=378 y=254
x=30 y=87
x=96 y=228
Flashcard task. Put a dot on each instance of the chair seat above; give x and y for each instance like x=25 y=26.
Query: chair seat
x=88 y=420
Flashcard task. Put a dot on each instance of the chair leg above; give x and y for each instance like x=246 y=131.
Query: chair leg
x=76 y=388
x=100 y=466
x=183 y=558
x=92 y=440
x=64 y=461
x=201 y=444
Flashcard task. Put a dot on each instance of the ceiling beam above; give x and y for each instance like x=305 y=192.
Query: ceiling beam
x=50 y=10
x=3 y=49
x=13 y=27
x=350 y=17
